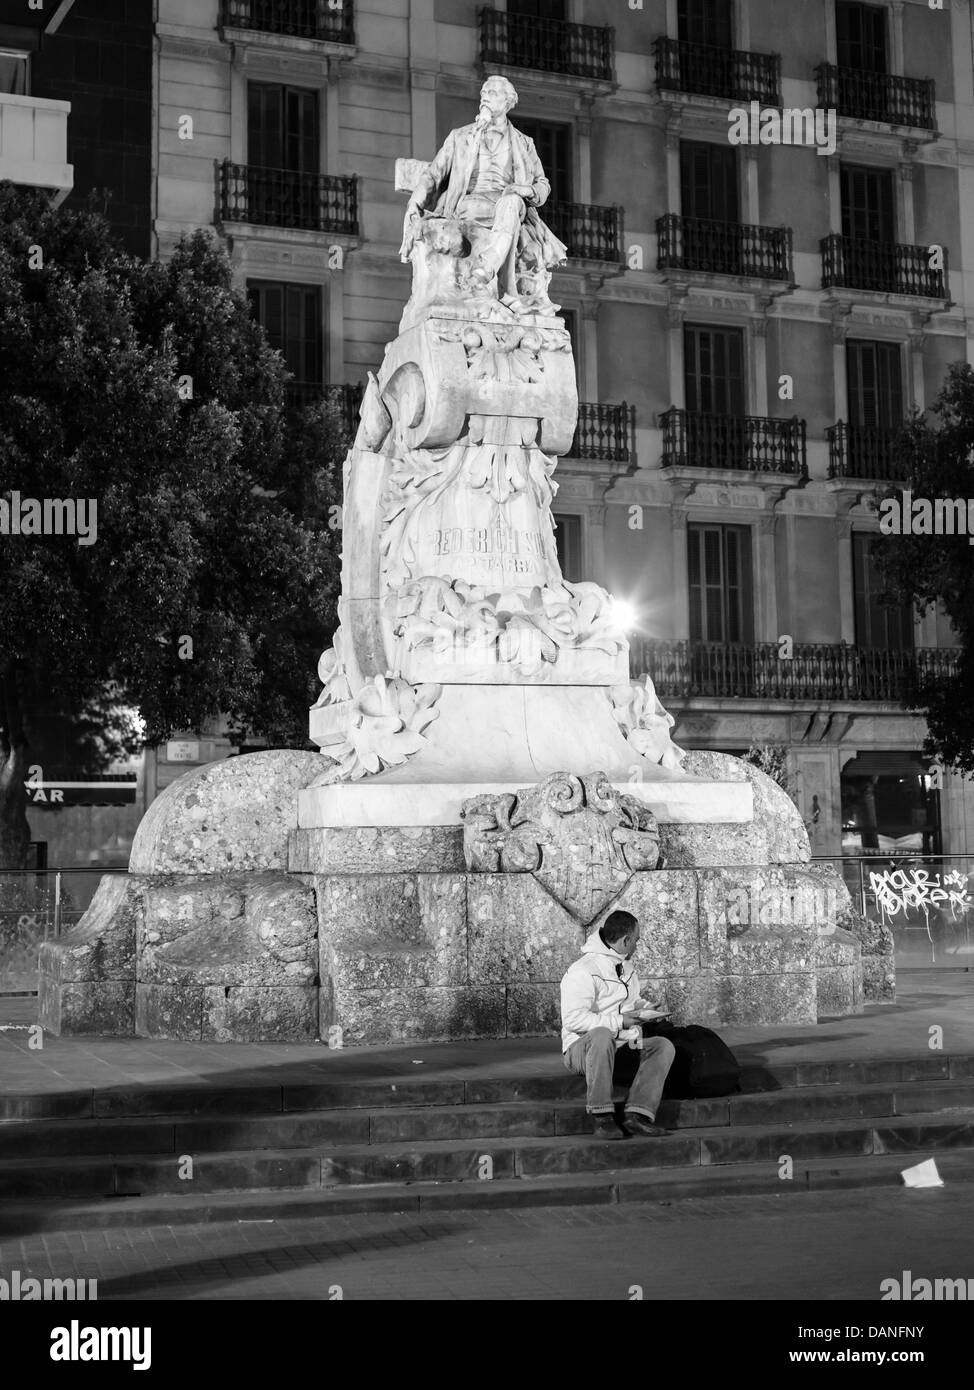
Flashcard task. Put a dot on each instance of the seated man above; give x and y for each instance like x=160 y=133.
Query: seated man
x=600 y=1013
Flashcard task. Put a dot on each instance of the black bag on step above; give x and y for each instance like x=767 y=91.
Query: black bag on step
x=703 y=1067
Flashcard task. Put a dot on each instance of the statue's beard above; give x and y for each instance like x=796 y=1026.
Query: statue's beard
x=487 y=117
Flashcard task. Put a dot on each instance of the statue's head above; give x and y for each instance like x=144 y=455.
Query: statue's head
x=497 y=95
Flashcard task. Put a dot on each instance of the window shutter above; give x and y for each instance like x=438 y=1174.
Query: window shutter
x=708 y=179
x=706 y=22
x=867 y=203
x=860 y=32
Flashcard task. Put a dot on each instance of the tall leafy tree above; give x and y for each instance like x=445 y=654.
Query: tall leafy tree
x=939 y=569
x=148 y=390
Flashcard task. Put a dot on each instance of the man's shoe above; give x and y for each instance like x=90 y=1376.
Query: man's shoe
x=605 y=1127
x=639 y=1124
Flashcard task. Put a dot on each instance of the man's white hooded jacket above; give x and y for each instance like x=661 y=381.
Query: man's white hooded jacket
x=594 y=991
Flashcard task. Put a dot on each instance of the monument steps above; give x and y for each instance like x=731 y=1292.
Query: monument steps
x=525 y=1118
x=286 y=1096
x=663 y=1185
x=388 y=1145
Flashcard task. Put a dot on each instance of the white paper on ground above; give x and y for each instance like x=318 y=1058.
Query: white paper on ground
x=923 y=1175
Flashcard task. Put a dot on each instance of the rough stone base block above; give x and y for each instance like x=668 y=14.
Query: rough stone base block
x=840 y=975
x=755 y=999
x=879 y=979
x=399 y=953
x=287 y=1013
x=533 y=1011
x=92 y=1007
x=430 y=1014
x=169 y=1011
x=427 y=849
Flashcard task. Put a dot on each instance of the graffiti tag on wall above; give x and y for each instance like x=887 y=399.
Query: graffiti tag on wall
x=902 y=890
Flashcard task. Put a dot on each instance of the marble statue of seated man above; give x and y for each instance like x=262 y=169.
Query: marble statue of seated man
x=488 y=176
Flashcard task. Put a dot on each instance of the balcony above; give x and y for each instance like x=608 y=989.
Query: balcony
x=546 y=45
x=745 y=443
x=345 y=397
x=878 y=96
x=817 y=672
x=606 y=432
x=883 y=266
x=723 y=248
x=301 y=19
x=590 y=232
x=733 y=74
x=283 y=198
x=34 y=143
x=867 y=451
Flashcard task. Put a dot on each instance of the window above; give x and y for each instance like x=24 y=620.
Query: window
x=554 y=146
x=874 y=382
x=721 y=603
x=708 y=181
x=568 y=539
x=282 y=128
x=713 y=370
x=14 y=72
x=889 y=806
x=879 y=623
x=707 y=22
x=867 y=203
x=860 y=32
x=291 y=317
x=714 y=392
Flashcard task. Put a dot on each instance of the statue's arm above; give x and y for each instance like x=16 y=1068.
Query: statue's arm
x=425 y=193
x=437 y=173
x=540 y=187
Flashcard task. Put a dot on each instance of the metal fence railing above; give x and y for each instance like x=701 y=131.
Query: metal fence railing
x=36 y=905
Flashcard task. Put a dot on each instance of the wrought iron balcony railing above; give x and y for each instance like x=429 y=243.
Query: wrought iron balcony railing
x=590 y=232
x=285 y=198
x=723 y=248
x=345 y=396
x=304 y=19
x=817 y=672
x=605 y=432
x=750 y=443
x=867 y=451
x=849 y=263
x=718 y=72
x=878 y=96
x=547 y=45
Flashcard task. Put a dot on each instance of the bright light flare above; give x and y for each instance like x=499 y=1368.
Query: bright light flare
x=624 y=614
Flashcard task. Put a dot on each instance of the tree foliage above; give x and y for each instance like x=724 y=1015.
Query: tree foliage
x=149 y=389
x=932 y=570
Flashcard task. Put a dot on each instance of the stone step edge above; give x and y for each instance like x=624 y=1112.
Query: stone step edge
x=852 y=1092
x=664 y=1185
x=403 y=1149
x=376 y=1087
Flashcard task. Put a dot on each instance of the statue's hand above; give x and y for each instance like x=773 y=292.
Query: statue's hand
x=411 y=227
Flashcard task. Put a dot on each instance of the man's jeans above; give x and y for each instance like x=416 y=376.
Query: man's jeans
x=595 y=1056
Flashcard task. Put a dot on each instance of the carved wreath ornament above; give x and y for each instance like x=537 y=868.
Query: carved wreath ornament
x=528 y=628
x=384 y=726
